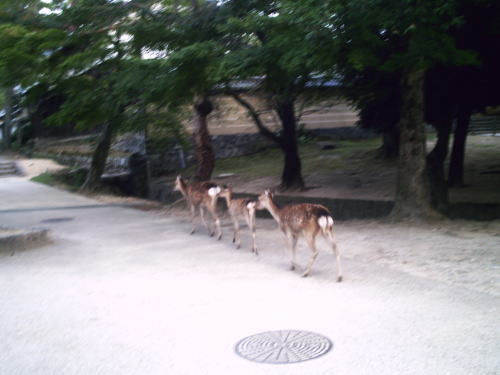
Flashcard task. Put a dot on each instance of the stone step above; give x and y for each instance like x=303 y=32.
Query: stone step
x=7 y=168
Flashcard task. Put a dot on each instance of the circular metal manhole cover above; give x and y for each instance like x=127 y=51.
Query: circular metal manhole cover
x=57 y=220
x=287 y=346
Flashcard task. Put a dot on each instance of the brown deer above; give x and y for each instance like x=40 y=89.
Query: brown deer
x=201 y=195
x=238 y=208
x=303 y=219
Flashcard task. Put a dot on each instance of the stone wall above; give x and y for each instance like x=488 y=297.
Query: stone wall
x=113 y=164
x=171 y=160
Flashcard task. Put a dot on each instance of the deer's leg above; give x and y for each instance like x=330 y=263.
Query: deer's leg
x=193 y=216
x=292 y=243
x=331 y=239
x=236 y=231
x=213 y=212
x=202 y=215
x=250 y=217
x=311 y=241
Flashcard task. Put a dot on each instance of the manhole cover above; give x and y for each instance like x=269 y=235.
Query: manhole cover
x=286 y=346
x=57 y=220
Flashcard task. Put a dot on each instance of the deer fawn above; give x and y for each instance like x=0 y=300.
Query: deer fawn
x=303 y=219
x=201 y=195
x=241 y=207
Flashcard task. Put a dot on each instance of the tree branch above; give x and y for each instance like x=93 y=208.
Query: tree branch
x=264 y=130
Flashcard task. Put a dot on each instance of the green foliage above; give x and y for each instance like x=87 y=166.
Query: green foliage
x=22 y=51
x=284 y=42
x=398 y=34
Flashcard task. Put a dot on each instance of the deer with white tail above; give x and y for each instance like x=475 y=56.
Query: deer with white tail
x=201 y=196
x=241 y=208
x=303 y=219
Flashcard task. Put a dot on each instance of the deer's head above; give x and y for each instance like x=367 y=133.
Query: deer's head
x=226 y=192
x=266 y=199
x=179 y=183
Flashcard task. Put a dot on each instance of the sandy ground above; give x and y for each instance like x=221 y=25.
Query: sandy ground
x=457 y=252
x=338 y=184
x=34 y=167
x=122 y=291
x=462 y=253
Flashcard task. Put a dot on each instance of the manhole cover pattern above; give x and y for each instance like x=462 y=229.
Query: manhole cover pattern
x=287 y=346
x=57 y=220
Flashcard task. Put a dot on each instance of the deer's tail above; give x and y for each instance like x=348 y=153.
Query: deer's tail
x=326 y=224
x=214 y=192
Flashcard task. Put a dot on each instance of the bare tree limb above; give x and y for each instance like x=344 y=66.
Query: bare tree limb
x=264 y=130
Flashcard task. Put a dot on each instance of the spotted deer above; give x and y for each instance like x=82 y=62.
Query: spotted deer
x=303 y=219
x=201 y=195
x=241 y=208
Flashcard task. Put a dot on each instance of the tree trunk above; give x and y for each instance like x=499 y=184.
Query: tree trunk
x=146 y=154
x=456 y=172
x=435 y=166
x=412 y=195
x=390 y=143
x=291 y=178
x=204 y=152
x=7 y=123
x=99 y=158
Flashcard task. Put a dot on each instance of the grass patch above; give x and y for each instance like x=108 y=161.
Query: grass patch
x=351 y=153
x=45 y=178
x=68 y=179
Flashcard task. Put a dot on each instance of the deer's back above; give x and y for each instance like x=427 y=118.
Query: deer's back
x=239 y=205
x=298 y=216
x=199 y=190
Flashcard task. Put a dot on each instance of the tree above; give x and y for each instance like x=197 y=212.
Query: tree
x=186 y=53
x=281 y=49
x=440 y=91
x=97 y=71
x=24 y=37
x=416 y=35
x=477 y=84
x=461 y=78
x=377 y=97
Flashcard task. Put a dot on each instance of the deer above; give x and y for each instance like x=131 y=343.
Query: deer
x=304 y=219
x=201 y=195
x=241 y=208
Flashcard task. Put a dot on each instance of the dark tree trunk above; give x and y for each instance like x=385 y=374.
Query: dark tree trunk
x=148 y=164
x=204 y=152
x=291 y=177
x=435 y=166
x=412 y=195
x=390 y=143
x=456 y=172
x=99 y=158
x=7 y=123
